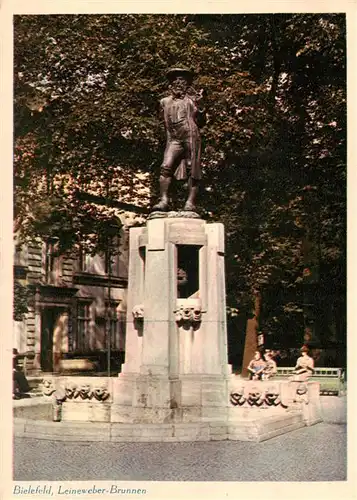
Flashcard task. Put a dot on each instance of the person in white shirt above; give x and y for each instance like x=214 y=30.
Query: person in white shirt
x=304 y=366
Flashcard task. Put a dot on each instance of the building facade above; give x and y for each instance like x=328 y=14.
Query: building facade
x=75 y=308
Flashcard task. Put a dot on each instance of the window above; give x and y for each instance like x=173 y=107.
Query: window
x=113 y=325
x=111 y=263
x=81 y=340
x=99 y=263
x=84 y=261
x=20 y=256
x=53 y=263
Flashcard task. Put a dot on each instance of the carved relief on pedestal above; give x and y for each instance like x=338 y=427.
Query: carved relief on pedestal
x=68 y=391
x=258 y=395
x=100 y=393
x=83 y=391
x=197 y=314
x=188 y=313
x=237 y=397
x=138 y=312
x=60 y=395
x=272 y=397
x=255 y=396
x=301 y=395
x=48 y=387
x=138 y=317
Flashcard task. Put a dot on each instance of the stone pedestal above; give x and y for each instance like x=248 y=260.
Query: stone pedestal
x=176 y=384
x=176 y=348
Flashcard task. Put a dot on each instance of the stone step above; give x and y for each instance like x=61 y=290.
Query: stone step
x=34 y=382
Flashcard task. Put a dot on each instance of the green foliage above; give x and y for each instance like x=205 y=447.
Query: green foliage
x=21 y=298
x=287 y=194
x=86 y=95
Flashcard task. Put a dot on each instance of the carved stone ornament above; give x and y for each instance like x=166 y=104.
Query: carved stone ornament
x=301 y=395
x=138 y=312
x=100 y=393
x=237 y=397
x=197 y=314
x=84 y=392
x=71 y=391
x=60 y=394
x=189 y=314
x=272 y=397
x=48 y=387
x=257 y=397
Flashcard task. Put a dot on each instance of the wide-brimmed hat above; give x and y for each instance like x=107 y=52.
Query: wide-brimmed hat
x=186 y=73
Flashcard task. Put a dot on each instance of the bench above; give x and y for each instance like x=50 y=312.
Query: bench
x=77 y=365
x=331 y=379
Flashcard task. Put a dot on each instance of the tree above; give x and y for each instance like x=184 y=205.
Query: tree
x=275 y=234
x=86 y=92
x=308 y=96
x=21 y=298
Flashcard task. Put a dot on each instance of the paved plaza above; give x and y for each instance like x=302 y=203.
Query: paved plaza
x=316 y=453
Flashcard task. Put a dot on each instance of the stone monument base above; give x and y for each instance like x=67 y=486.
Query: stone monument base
x=256 y=411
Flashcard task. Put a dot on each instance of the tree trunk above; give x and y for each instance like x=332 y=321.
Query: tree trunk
x=251 y=334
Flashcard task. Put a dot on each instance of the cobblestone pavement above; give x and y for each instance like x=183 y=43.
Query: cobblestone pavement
x=285 y=458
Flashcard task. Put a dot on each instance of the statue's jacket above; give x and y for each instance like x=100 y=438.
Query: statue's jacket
x=181 y=118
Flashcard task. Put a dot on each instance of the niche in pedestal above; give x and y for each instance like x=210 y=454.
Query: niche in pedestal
x=187 y=271
x=142 y=256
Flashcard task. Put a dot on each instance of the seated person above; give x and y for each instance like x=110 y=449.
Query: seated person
x=19 y=381
x=304 y=366
x=256 y=366
x=270 y=366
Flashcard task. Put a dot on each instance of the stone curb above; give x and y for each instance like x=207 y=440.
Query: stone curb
x=251 y=430
x=31 y=401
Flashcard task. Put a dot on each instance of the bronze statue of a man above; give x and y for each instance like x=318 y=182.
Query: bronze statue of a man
x=182 y=115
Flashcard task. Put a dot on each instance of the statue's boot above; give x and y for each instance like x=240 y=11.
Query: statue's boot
x=192 y=193
x=162 y=206
x=189 y=206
